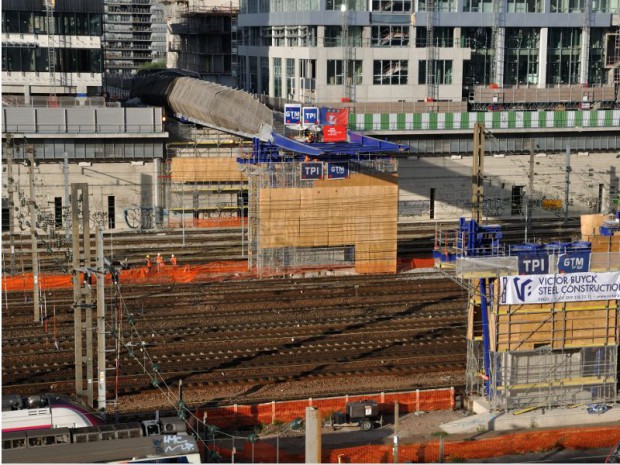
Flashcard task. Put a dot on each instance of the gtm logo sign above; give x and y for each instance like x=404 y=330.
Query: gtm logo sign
x=524 y=289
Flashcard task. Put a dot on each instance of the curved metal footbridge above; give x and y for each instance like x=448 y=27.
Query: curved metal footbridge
x=238 y=112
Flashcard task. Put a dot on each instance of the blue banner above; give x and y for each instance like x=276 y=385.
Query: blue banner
x=534 y=263
x=311 y=171
x=311 y=116
x=292 y=114
x=337 y=170
x=574 y=262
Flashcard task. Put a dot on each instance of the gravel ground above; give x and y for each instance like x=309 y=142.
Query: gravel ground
x=320 y=387
x=412 y=428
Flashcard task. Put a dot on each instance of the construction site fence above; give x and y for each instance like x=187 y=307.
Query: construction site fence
x=162 y=274
x=170 y=274
x=430 y=451
x=238 y=416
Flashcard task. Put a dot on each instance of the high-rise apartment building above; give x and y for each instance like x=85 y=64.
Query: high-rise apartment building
x=51 y=47
x=424 y=50
x=203 y=38
x=134 y=36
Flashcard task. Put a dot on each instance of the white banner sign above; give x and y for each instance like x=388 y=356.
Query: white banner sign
x=573 y=287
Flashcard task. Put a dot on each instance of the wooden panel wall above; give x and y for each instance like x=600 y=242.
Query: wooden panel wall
x=205 y=170
x=360 y=211
x=561 y=326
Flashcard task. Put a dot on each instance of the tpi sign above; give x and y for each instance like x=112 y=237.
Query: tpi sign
x=576 y=262
x=534 y=263
x=311 y=171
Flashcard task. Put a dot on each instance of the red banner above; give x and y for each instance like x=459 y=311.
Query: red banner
x=334 y=133
x=334 y=116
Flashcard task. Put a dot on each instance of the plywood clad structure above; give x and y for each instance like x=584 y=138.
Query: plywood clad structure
x=590 y=224
x=559 y=326
x=361 y=211
x=205 y=169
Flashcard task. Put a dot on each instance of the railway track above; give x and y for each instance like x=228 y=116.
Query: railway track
x=257 y=339
x=401 y=327
x=204 y=245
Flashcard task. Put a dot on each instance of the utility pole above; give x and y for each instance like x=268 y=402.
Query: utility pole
x=478 y=172
x=33 y=236
x=101 y=368
x=11 y=192
x=567 y=183
x=395 y=447
x=530 y=192
x=82 y=298
x=67 y=209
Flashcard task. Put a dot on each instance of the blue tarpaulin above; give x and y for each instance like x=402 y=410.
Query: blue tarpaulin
x=283 y=148
x=356 y=144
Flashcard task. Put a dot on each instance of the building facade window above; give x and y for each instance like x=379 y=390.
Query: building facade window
x=264 y=73
x=333 y=36
x=307 y=36
x=390 y=36
x=335 y=72
x=478 y=6
x=242 y=72
x=347 y=5
x=477 y=70
x=521 y=58
x=290 y=76
x=442 y=37
x=525 y=6
x=265 y=36
x=253 y=74
x=440 y=73
x=398 y=6
x=355 y=72
x=440 y=5
x=65 y=23
x=68 y=60
x=596 y=71
x=563 y=52
x=390 y=72
x=277 y=77
x=278 y=39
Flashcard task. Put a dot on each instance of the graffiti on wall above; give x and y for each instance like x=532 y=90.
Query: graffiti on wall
x=144 y=217
x=493 y=207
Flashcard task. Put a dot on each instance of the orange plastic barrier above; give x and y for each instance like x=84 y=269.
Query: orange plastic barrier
x=507 y=444
x=405 y=264
x=456 y=451
x=248 y=415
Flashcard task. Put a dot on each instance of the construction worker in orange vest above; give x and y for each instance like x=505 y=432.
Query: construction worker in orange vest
x=148 y=264
x=159 y=260
x=173 y=260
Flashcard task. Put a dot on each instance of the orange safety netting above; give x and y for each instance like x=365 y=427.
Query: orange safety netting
x=208 y=223
x=162 y=274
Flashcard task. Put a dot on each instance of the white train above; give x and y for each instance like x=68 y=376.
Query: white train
x=46 y=411
x=152 y=441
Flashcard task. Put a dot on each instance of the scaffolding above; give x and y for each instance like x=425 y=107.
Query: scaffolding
x=316 y=225
x=533 y=355
x=204 y=185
